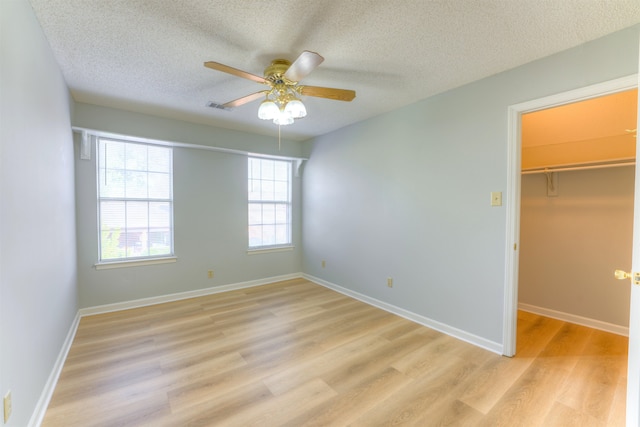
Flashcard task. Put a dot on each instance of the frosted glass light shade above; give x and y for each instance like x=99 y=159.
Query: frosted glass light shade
x=268 y=110
x=296 y=109
x=284 y=118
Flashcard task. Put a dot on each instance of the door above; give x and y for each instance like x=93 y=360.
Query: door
x=633 y=373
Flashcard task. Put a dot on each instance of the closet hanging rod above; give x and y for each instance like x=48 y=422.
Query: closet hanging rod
x=577 y=168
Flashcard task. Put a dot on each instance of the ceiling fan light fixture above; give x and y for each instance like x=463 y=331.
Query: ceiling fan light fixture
x=296 y=108
x=282 y=103
x=268 y=110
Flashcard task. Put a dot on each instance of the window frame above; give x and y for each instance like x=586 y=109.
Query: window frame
x=288 y=245
x=127 y=261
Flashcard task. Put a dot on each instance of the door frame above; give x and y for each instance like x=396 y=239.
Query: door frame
x=514 y=169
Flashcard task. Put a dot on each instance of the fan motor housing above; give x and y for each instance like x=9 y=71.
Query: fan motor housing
x=277 y=68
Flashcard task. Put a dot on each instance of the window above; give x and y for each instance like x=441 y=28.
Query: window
x=135 y=200
x=269 y=203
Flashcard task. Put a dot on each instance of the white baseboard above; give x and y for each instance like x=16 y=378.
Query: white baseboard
x=143 y=302
x=41 y=407
x=417 y=318
x=578 y=320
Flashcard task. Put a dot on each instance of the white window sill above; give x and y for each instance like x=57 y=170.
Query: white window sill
x=134 y=263
x=257 y=251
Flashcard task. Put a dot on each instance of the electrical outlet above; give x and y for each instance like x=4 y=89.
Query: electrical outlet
x=7 y=406
x=210 y=274
x=324 y=263
x=390 y=282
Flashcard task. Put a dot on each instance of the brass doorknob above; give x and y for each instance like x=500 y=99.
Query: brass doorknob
x=621 y=275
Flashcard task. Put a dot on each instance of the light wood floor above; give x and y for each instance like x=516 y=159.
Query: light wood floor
x=297 y=354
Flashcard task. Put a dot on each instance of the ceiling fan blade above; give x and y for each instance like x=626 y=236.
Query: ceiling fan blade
x=303 y=65
x=327 y=92
x=234 y=71
x=245 y=99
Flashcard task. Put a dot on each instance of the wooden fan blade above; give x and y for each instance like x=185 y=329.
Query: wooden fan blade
x=327 y=92
x=244 y=100
x=303 y=65
x=234 y=71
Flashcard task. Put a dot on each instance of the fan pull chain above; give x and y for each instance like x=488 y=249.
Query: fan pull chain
x=278 y=137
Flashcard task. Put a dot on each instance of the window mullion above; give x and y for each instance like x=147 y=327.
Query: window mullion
x=126 y=229
x=125 y=199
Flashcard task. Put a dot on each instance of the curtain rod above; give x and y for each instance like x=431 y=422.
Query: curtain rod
x=168 y=143
x=576 y=168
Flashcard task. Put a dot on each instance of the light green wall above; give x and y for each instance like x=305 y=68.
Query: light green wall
x=407 y=194
x=210 y=212
x=38 y=294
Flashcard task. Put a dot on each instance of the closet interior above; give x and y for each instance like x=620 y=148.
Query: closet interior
x=576 y=219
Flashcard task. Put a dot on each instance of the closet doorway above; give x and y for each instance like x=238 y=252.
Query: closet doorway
x=576 y=210
x=513 y=200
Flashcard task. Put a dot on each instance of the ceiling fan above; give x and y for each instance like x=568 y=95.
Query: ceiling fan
x=282 y=102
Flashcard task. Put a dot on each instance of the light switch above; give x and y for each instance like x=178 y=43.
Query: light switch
x=496 y=198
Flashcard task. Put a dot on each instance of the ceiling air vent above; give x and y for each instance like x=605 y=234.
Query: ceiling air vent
x=218 y=106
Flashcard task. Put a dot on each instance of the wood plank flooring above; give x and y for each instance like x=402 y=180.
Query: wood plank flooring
x=297 y=354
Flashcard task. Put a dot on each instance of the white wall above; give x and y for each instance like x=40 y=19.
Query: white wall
x=571 y=244
x=407 y=194
x=210 y=213
x=37 y=224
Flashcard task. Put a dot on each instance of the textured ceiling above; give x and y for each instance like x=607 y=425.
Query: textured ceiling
x=148 y=55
